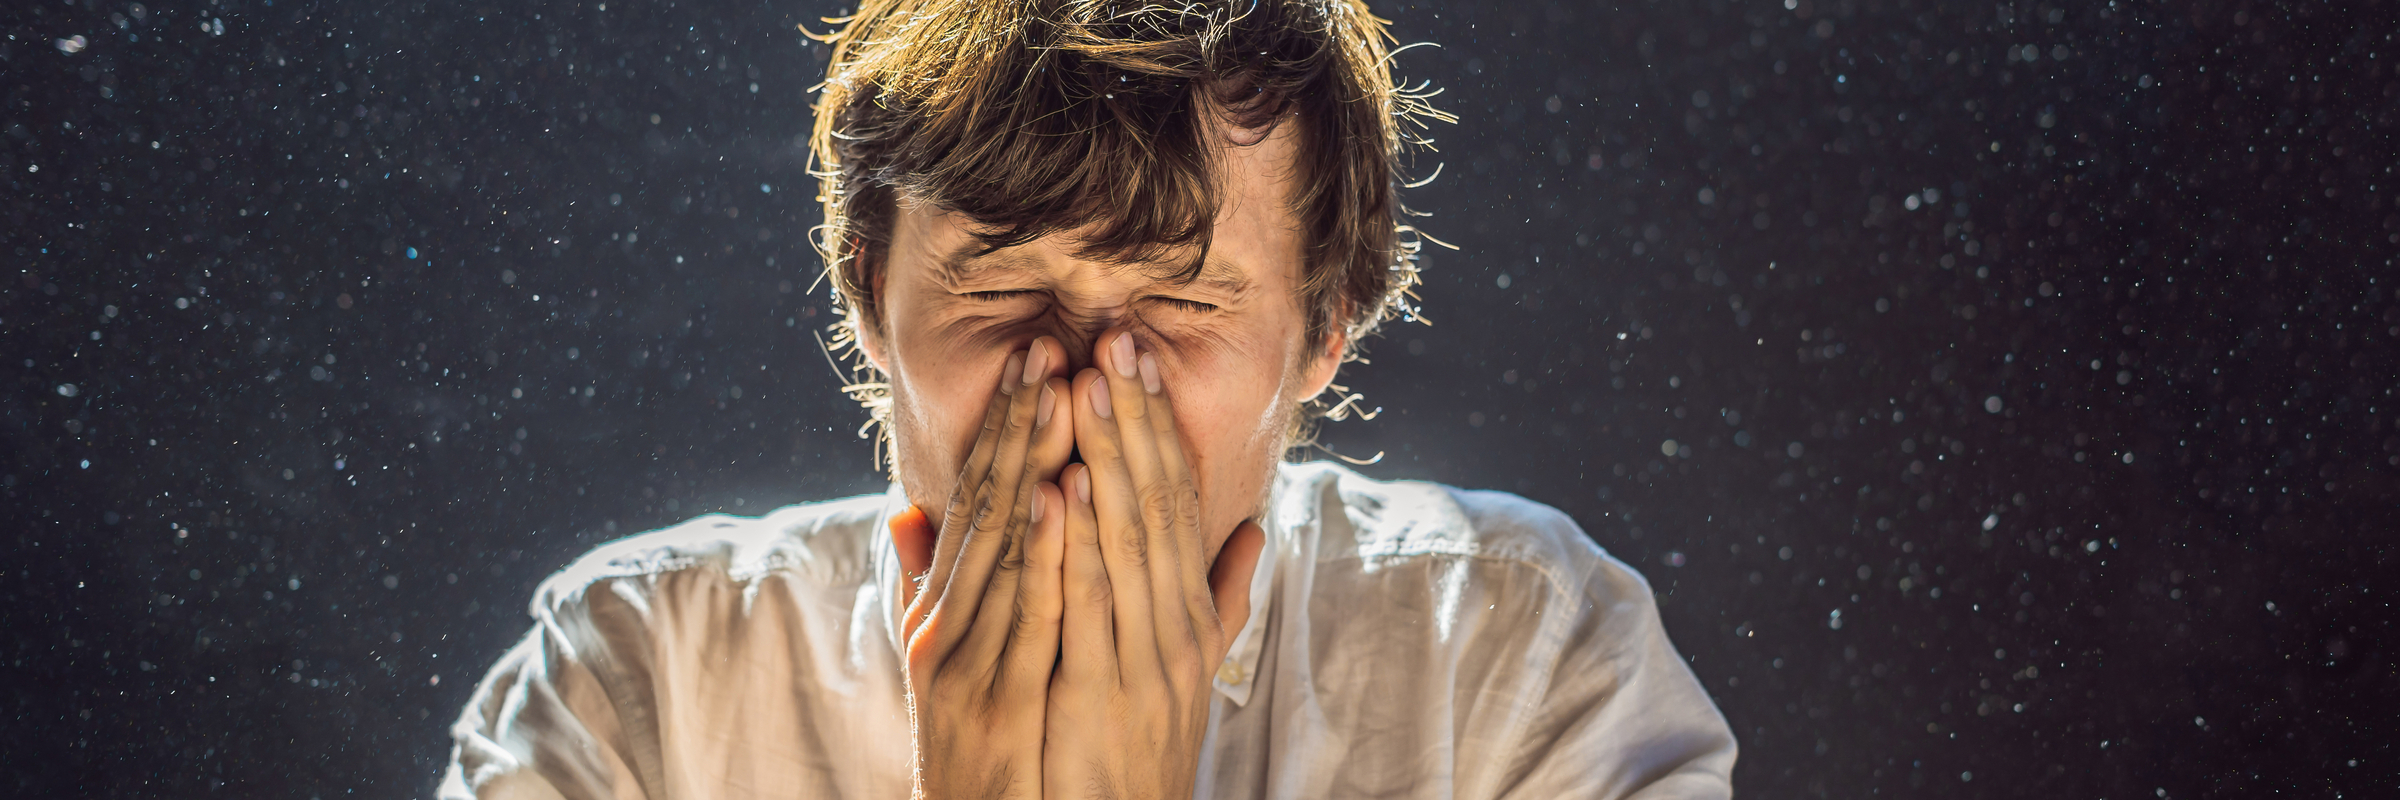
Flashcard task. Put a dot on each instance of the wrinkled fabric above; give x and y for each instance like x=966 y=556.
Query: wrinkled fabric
x=1411 y=641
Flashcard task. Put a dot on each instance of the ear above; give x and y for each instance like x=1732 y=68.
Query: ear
x=869 y=332
x=1323 y=363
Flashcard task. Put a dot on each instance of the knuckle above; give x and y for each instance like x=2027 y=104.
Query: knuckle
x=1158 y=503
x=1014 y=424
x=987 y=509
x=1137 y=548
x=1187 y=507
x=1029 y=625
x=953 y=523
x=962 y=503
x=1019 y=522
x=1012 y=554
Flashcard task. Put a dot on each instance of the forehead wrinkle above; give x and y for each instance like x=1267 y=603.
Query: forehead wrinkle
x=1216 y=273
x=1221 y=273
x=968 y=260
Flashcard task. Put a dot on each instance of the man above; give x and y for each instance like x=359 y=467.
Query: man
x=1107 y=259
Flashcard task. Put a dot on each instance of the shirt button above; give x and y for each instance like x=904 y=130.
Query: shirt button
x=1230 y=672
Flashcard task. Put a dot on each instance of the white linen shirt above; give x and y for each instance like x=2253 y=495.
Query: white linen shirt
x=1411 y=640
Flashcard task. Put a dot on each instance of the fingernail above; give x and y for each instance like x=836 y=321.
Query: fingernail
x=1100 y=399
x=1083 y=484
x=1016 y=366
x=1037 y=362
x=1123 y=348
x=1150 y=373
x=1037 y=506
x=1041 y=410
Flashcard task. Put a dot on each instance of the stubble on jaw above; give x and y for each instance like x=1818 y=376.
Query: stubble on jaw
x=1282 y=430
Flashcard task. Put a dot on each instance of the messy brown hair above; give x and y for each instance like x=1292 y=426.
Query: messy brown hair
x=1031 y=117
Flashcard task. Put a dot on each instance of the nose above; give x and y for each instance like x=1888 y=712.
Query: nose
x=1080 y=337
x=1077 y=341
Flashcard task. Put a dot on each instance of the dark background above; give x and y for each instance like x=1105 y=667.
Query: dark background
x=2028 y=368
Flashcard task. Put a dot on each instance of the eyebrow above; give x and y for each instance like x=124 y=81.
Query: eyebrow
x=970 y=259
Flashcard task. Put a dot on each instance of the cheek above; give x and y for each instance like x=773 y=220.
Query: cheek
x=1218 y=381
x=938 y=398
x=1229 y=407
x=944 y=369
x=1226 y=408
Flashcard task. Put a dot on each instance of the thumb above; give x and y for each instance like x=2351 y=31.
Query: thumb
x=1229 y=578
x=913 y=537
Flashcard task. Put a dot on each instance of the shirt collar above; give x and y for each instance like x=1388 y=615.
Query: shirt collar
x=1235 y=675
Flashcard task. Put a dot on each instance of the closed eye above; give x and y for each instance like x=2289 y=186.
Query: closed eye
x=1193 y=306
x=991 y=297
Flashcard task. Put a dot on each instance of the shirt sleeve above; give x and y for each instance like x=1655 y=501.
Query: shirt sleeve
x=539 y=726
x=1623 y=717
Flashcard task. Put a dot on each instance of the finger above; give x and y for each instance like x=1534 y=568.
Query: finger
x=999 y=520
x=1033 y=643
x=1175 y=472
x=1123 y=545
x=987 y=439
x=1131 y=402
x=1087 y=645
x=1229 y=584
x=1156 y=496
x=985 y=641
x=963 y=500
x=1052 y=444
x=912 y=538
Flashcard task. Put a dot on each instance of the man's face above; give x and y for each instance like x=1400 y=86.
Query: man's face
x=1231 y=345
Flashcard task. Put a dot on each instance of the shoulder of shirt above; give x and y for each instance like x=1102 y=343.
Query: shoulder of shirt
x=1389 y=520
x=827 y=541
